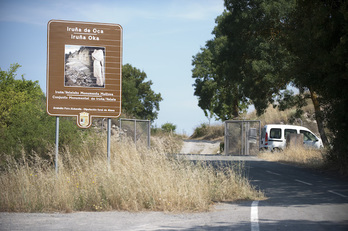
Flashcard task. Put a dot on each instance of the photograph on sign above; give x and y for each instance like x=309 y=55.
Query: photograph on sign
x=84 y=66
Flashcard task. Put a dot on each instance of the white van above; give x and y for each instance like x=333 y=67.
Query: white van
x=273 y=136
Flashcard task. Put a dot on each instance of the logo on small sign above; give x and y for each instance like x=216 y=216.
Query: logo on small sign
x=83 y=120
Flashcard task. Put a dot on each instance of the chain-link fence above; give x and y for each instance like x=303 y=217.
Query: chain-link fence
x=242 y=137
x=138 y=130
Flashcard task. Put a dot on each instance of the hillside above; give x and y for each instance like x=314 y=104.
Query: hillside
x=274 y=116
x=271 y=116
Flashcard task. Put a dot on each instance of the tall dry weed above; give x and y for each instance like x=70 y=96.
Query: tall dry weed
x=136 y=179
x=307 y=157
x=272 y=116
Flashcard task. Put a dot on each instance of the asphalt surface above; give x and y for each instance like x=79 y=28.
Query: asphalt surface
x=298 y=199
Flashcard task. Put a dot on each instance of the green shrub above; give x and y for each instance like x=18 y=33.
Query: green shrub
x=168 y=127
x=25 y=127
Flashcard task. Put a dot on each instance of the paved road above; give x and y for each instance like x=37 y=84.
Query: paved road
x=299 y=199
x=224 y=217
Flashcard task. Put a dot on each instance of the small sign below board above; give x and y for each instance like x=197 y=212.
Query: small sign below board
x=84 y=70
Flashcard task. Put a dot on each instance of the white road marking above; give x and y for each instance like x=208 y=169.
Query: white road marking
x=254 y=216
x=273 y=173
x=338 y=194
x=303 y=182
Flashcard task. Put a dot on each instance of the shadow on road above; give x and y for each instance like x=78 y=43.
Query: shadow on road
x=284 y=185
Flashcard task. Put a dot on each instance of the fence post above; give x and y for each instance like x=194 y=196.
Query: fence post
x=242 y=148
x=247 y=135
x=260 y=134
x=148 y=134
x=226 y=137
x=135 y=133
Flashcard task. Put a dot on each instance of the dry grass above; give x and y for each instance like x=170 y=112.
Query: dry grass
x=272 y=116
x=310 y=158
x=167 y=143
x=208 y=132
x=136 y=180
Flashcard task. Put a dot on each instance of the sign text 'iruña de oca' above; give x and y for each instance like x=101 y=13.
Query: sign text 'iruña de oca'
x=84 y=70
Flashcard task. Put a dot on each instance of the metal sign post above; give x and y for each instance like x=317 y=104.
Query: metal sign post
x=57 y=143
x=108 y=140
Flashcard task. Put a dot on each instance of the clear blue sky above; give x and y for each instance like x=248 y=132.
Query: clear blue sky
x=159 y=37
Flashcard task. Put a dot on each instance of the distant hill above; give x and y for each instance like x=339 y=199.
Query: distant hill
x=271 y=116
x=274 y=116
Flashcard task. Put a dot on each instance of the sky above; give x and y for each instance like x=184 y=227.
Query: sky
x=159 y=37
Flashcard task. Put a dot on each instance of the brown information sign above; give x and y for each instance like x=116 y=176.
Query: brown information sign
x=84 y=70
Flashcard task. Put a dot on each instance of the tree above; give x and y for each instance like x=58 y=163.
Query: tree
x=216 y=78
x=244 y=61
x=138 y=99
x=304 y=68
x=271 y=44
x=262 y=60
x=205 y=84
x=317 y=35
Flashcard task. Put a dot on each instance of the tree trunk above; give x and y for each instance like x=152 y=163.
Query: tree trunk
x=235 y=111
x=319 y=117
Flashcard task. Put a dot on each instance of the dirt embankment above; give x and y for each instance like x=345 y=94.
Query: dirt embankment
x=200 y=147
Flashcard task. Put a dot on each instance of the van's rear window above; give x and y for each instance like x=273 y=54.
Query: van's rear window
x=276 y=133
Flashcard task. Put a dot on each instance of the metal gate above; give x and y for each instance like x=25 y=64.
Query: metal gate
x=138 y=130
x=242 y=137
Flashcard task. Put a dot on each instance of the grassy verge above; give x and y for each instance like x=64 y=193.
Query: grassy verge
x=309 y=158
x=136 y=180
